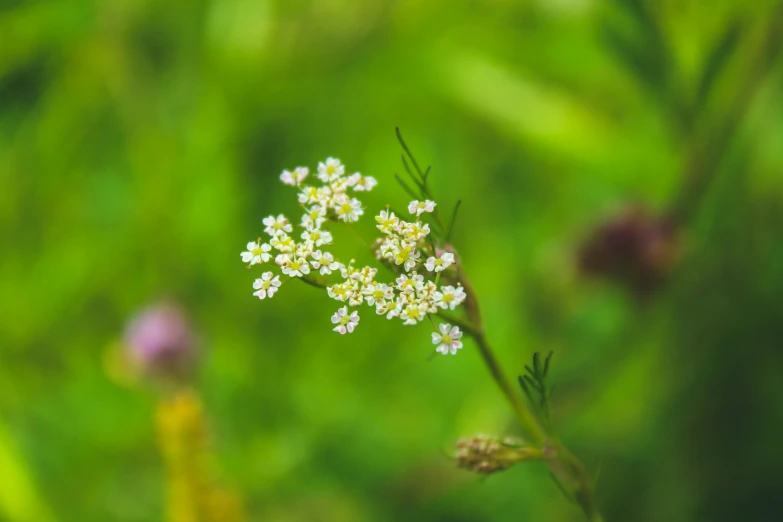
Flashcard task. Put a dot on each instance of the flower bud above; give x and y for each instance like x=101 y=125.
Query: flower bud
x=486 y=454
x=159 y=342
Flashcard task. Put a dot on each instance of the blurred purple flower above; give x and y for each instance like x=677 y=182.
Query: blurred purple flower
x=635 y=248
x=160 y=341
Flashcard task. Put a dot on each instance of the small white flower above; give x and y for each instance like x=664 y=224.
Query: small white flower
x=387 y=221
x=339 y=185
x=345 y=323
x=282 y=259
x=342 y=291
x=256 y=253
x=266 y=285
x=349 y=210
x=296 y=177
x=390 y=309
x=448 y=340
x=377 y=294
x=355 y=297
x=419 y=207
x=314 y=218
x=425 y=296
x=296 y=267
x=388 y=249
x=308 y=195
x=346 y=271
x=365 y=275
x=412 y=314
x=304 y=250
x=324 y=262
x=450 y=297
x=330 y=170
x=283 y=243
x=324 y=196
x=277 y=225
x=319 y=237
x=361 y=183
x=411 y=284
x=441 y=263
x=406 y=255
x=415 y=231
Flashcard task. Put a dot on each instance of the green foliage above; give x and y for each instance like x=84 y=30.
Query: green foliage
x=535 y=386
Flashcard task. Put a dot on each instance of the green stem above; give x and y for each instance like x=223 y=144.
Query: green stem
x=529 y=423
x=566 y=468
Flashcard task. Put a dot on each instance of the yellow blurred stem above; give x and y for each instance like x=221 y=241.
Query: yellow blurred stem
x=192 y=491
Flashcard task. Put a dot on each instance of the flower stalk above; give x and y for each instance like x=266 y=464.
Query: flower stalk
x=567 y=471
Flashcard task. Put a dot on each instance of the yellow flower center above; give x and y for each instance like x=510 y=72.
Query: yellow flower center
x=257 y=251
x=446 y=339
x=447 y=298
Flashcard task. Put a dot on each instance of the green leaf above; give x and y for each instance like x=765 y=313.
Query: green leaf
x=408 y=152
x=533 y=384
x=453 y=218
x=405 y=186
x=413 y=177
x=546 y=363
x=715 y=62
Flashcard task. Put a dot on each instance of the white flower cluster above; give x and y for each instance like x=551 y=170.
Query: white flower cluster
x=409 y=297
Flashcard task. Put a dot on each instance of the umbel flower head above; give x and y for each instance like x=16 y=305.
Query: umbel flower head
x=408 y=289
x=486 y=454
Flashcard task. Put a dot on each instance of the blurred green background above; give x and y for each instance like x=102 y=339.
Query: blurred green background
x=140 y=145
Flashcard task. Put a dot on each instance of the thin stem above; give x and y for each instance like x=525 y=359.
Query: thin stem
x=356 y=233
x=526 y=417
x=567 y=469
x=476 y=331
x=316 y=282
